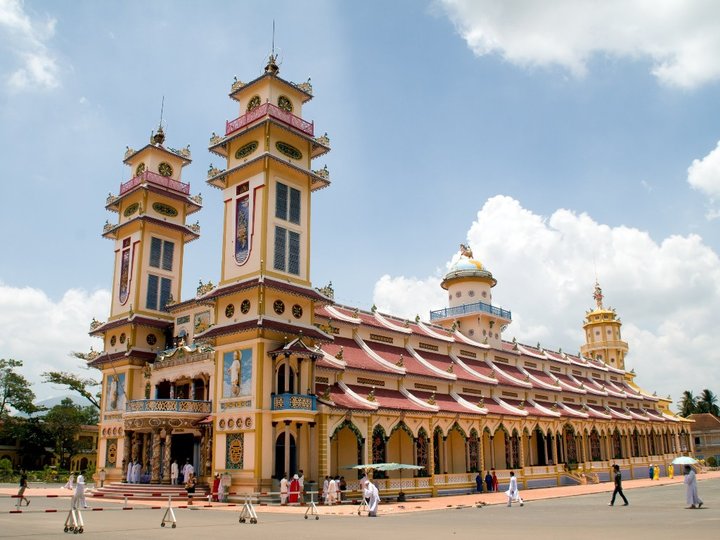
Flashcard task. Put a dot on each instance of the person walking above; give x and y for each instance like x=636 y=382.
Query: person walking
x=488 y=482
x=513 y=494
x=21 y=492
x=691 y=491
x=617 y=477
x=190 y=487
x=101 y=477
x=284 y=489
x=79 y=497
x=372 y=496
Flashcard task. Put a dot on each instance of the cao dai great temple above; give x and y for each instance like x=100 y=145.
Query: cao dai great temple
x=264 y=373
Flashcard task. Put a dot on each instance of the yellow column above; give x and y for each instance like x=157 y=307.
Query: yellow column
x=323 y=443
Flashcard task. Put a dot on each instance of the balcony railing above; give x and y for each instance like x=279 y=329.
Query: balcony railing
x=295 y=402
x=274 y=112
x=169 y=405
x=470 y=308
x=158 y=180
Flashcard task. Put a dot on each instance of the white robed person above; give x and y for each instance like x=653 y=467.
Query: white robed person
x=283 y=489
x=129 y=473
x=174 y=472
x=332 y=492
x=372 y=496
x=513 y=494
x=691 y=491
x=78 y=499
x=70 y=484
x=136 y=472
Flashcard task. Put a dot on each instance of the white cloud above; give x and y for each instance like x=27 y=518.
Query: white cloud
x=704 y=175
x=680 y=38
x=42 y=332
x=25 y=38
x=666 y=293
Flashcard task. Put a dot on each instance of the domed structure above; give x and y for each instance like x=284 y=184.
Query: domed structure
x=465 y=268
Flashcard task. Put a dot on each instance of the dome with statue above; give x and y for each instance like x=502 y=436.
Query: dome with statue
x=467 y=267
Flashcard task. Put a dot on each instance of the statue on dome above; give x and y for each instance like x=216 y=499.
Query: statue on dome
x=598 y=295
x=465 y=251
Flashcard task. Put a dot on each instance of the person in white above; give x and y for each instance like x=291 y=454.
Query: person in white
x=70 y=484
x=512 y=493
x=332 y=491
x=187 y=470
x=283 y=489
x=326 y=485
x=129 y=474
x=372 y=495
x=136 y=472
x=174 y=472
x=79 y=496
x=301 y=480
x=691 y=491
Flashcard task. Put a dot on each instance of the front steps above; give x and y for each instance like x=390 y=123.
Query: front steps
x=147 y=492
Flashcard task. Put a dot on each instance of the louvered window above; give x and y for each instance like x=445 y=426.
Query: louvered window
x=281 y=201
x=280 y=247
x=294 y=253
x=161 y=253
x=159 y=290
x=152 y=292
x=294 y=206
x=165 y=286
x=287 y=251
x=287 y=203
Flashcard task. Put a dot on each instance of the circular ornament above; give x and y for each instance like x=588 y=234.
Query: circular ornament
x=229 y=310
x=248 y=422
x=139 y=169
x=297 y=311
x=279 y=307
x=231 y=423
x=254 y=103
x=245 y=306
x=285 y=104
x=151 y=339
x=221 y=424
x=165 y=169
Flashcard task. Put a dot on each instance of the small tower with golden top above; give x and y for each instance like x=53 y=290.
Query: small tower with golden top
x=602 y=334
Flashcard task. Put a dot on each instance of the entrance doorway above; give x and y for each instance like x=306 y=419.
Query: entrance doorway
x=280 y=456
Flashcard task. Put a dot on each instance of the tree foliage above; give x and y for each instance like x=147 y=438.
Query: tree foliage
x=63 y=424
x=706 y=402
x=75 y=383
x=15 y=389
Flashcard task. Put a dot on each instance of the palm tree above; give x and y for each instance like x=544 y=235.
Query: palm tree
x=707 y=403
x=688 y=404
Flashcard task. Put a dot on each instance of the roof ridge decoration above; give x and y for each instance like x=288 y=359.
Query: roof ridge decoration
x=470 y=370
x=530 y=377
x=528 y=352
x=377 y=358
x=600 y=412
x=496 y=369
x=551 y=412
x=432 y=333
x=341 y=316
x=428 y=365
x=572 y=411
x=469 y=341
x=334 y=360
x=368 y=403
x=429 y=405
x=479 y=407
x=509 y=407
x=391 y=326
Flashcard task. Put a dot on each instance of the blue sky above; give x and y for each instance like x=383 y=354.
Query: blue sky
x=557 y=138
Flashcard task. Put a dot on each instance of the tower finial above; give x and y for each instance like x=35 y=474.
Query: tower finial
x=159 y=137
x=598 y=295
x=272 y=68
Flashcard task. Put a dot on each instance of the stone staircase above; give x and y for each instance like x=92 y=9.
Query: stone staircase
x=147 y=492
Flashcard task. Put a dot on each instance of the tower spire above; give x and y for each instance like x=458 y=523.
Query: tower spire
x=272 y=67
x=159 y=137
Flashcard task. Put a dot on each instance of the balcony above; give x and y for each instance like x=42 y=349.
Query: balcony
x=277 y=113
x=293 y=402
x=156 y=179
x=154 y=406
x=467 y=309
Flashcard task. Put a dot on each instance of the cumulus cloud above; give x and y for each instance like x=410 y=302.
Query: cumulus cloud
x=680 y=39
x=667 y=293
x=26 y=39
x=42 y=332
x=704 y=175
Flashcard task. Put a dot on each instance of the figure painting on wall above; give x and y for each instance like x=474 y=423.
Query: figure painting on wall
x=237 y=373
x=115 y=392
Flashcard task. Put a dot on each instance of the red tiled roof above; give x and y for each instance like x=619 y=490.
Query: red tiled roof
x=354 y=356
x=340 y=399
x=568 y=384
x=389 y=399
x=598 y=412
x=705 y=421
x=619 y=413
x=476 y=365
x=446 y=403
x=493 y=406
x=542 y=377
x=135 y=319
x=267 y=324
x=511 y=375
x=527 y=407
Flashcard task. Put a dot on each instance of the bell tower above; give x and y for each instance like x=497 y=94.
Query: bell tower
x=602 y=334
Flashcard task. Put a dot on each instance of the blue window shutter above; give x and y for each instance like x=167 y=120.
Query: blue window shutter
x=295 y=206
x=281 y=201
x=152 y=292
x=167 y=255
x=155 y=249
x=165 y=291
x=294 y=255
x=280 y=243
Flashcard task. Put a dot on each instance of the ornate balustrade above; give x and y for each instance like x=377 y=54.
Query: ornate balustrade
x=188 y=406
x=470 y=308
x=296 y=402
x=274 y=112
x=158 y=180
x=180 y=358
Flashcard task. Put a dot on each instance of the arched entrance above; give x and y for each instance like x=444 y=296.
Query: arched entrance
x=280 y=455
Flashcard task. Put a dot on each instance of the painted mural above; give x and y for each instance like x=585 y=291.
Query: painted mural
x=202 y=321
x=237 y=373
x=234 y=451
x=115 y=392
x=242 y=229
x=124 y=276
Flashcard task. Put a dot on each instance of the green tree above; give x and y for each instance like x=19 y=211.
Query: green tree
x=33 y=438
x=687 y=404
x=82 y=386
x=15 y=389
x=707 y=403
x=63 y=423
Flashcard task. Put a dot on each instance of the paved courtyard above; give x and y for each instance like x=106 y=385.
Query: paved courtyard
x=656 y=511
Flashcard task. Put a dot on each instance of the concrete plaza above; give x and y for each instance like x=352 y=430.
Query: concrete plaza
x=656 y=511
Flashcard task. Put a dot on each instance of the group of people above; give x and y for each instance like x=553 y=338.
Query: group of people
x=690 y=481
x=491 y=482
x=292 y=491
x=333 y=487
x=133 y=472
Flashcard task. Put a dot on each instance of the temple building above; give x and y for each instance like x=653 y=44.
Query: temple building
x=263 y=373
